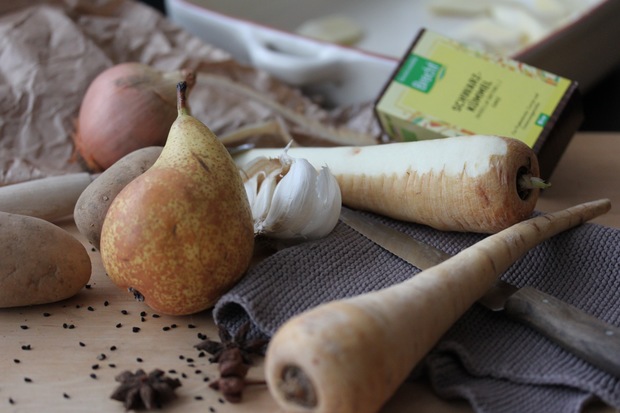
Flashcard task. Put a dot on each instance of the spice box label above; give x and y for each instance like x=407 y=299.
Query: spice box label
x=443 y=88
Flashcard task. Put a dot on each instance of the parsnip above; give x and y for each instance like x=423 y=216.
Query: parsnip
x=351 y=355
x=469 y=183
x=48 y=198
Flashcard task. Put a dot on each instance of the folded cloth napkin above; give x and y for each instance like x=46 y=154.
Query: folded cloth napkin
x=498 y=365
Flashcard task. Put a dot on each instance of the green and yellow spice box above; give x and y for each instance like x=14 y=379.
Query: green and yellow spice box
x=443 y=88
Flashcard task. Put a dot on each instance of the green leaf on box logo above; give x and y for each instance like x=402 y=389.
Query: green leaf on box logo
x=408 y=135
x=542 y=120
x=419 y=73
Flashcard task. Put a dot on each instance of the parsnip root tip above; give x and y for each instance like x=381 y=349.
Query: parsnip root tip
x=594 y=209
x=296 y=387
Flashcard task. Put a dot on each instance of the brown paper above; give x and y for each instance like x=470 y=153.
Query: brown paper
x=52 y=50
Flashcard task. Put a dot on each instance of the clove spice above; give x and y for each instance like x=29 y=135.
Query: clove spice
x=234 y=357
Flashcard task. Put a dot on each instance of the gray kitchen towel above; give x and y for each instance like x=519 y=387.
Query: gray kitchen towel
x=498 y=365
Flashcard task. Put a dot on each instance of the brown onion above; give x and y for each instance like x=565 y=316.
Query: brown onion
x=127 y=107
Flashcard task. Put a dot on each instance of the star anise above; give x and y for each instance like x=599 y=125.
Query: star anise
x=234 y=356
x=140 y=390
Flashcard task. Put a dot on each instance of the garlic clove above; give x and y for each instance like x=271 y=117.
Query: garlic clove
x=289 y=198
x=262 y=204
x=293 y=199
x=328 y=205
x=251 y=189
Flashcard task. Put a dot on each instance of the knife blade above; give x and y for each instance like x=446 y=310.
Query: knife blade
x=576 y=331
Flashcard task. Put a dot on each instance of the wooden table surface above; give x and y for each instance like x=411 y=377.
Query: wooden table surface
x=77 y=347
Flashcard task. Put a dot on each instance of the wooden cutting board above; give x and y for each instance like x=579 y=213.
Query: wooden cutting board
x=64 y=357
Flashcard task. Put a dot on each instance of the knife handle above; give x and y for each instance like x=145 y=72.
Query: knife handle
x=584 y=335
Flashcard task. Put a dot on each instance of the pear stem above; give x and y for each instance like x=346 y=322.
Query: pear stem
x=182 y=98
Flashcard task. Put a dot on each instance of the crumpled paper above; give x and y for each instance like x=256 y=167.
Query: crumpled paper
x=50 y=51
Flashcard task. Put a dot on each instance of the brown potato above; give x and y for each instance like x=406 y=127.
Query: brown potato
x=92 y=205
x=41 y=263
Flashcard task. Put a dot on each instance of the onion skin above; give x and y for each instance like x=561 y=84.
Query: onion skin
x=127 y=107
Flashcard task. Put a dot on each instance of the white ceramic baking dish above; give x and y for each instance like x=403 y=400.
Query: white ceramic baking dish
x=261 y=34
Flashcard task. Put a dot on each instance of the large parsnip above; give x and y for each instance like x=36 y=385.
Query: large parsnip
x=350 y=356
x=468 y=183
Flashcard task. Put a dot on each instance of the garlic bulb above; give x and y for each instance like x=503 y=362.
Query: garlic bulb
x=290 y=198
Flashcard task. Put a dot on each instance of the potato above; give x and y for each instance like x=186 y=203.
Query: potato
x=41 y=263
x=92 y=205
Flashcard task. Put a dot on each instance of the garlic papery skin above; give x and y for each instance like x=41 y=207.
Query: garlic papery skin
x=290 y=199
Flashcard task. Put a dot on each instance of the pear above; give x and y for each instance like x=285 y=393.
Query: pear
x=181 y=234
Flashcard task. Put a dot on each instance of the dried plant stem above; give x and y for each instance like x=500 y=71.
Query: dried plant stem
x=270 y=127
x=338 y=136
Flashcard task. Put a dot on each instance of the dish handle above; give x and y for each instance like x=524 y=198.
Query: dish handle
x=293 y=59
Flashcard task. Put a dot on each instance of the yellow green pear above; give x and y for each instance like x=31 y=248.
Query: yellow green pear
x=181 y=234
